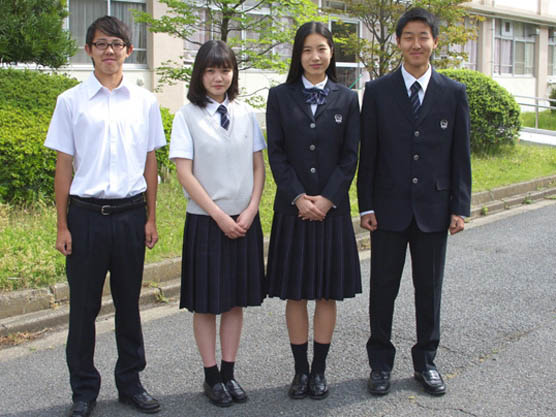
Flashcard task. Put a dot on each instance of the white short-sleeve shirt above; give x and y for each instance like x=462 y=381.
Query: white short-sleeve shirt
x=109 y=134
x=183 y=148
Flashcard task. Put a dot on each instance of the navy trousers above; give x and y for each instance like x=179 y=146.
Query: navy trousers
x=428 y=254
x=114 y=243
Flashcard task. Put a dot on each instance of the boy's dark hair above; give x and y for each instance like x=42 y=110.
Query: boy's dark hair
x=417 y=13
x=296 y=70
x=111 y=26
x=215 y=54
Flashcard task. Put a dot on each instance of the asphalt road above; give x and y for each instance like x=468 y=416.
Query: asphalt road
x=497 y=348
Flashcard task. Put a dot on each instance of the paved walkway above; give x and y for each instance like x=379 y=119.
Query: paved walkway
x=497 y=349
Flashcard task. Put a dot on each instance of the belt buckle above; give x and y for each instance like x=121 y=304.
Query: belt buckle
x=105 y=213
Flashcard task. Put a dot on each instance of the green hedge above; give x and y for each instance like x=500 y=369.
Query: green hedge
x=27 y=101
x=494 y=112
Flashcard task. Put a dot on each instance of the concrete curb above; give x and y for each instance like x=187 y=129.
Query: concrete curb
x=33 y=310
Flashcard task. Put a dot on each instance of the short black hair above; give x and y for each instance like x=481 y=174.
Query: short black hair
x=296 y=69
x=111 y=26
x=216 y=54
x=417 y=13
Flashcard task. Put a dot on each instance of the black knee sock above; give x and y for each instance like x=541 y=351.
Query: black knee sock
x=320 y=351
x=212 y=376
x=227 y=370
x=300 y=358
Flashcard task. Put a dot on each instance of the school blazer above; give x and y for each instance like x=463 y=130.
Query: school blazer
x=414 y=168
x=316 y=155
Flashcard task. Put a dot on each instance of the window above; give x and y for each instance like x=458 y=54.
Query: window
x=514 y=49
x=552 y=51
x=347 y=68
x=84 y=12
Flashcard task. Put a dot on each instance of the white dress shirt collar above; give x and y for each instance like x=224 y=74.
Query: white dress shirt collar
x=423 y=81
x=93 y=86
x=309 y=84
x=213 y=105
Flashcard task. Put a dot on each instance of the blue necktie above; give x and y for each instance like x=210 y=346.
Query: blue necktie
x=224 y=119
x=315 y=95
x=414 y=98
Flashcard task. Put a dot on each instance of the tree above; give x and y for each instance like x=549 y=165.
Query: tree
x=380 y=54
x=32 y=31
x=253 y=28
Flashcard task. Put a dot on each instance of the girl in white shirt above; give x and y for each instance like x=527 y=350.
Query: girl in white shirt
x=217 y=146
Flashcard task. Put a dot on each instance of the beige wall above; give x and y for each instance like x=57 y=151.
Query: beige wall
x=161 y=48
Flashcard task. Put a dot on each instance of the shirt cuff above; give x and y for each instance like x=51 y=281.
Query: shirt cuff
x=366 y=212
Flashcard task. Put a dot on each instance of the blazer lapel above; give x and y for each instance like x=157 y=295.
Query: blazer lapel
x=296 y=92
x=433 y=89
x=399 y=93
x=330 y=99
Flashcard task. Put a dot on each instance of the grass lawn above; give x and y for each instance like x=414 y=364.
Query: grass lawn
x=29 y=259
x=547 y=120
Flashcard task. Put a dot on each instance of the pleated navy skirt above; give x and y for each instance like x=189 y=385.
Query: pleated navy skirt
x=219 y=273
x=313 y=260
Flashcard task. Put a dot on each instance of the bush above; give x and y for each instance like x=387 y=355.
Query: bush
x=552 y=103
x=27 y=101
x=494 y=112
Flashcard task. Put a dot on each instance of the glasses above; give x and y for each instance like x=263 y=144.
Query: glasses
x=116 y=45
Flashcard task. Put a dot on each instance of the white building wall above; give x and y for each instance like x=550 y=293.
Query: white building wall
x=531 y=6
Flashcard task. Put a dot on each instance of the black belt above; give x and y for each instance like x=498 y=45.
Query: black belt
x=111 y=206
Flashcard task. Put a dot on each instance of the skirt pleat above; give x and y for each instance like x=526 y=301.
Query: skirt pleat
x=219 y=273
x=313 y=260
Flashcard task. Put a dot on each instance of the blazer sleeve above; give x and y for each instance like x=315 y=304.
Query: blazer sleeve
x=339 y=181
x=460 y=203
x=283 y=172
x=368 y=151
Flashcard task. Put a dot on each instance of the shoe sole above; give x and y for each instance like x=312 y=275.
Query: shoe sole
x=379 y=393
x=427 y=389
x=216 y=403
x=142 y=410
x=239 y=400
x=319 y=397
x=297 y=397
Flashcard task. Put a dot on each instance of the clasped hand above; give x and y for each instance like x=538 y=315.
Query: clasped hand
x=313 y=207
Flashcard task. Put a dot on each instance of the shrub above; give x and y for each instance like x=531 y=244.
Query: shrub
x=165 y=166
x=552 y=103
x=494 y=112
x=27 y=101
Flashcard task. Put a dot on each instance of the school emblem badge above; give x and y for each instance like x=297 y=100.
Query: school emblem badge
x=444 y=124
x=338 y=118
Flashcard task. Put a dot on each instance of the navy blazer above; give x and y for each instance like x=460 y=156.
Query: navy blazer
x=316 y=155
x=414 y=168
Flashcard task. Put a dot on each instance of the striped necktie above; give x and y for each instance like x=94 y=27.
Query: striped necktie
x=224 y=119
x=414 y=98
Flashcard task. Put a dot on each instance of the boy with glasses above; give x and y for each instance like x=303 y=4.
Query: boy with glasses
x=105 y=131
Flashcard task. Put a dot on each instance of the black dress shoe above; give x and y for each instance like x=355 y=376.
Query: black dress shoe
x=142 y=402
x=238 y=394
x=218 y=394
x=431 y=381
x=82 y=408
x=379 y=382
x=299 y=386
x=318 y=388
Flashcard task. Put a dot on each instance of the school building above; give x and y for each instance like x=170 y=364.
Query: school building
x=515 y=45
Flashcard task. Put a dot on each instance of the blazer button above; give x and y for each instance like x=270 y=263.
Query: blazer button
x=416 y=133
x=312 y=147
x=416 y=157
x=312 y=125
x=415 y=180
x=313 y=170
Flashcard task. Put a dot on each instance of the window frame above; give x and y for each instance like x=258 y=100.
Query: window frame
x=127 y=66
x=530 y=40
